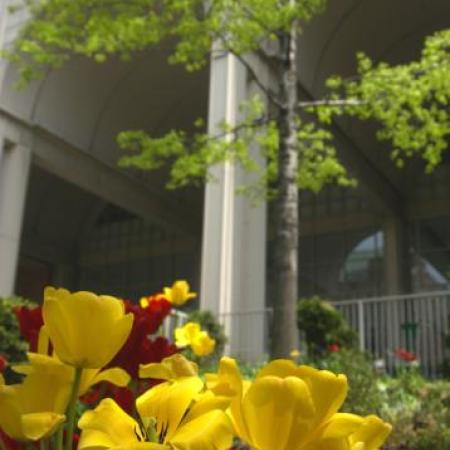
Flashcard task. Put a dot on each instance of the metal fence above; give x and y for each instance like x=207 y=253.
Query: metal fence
x=416 y=322
x=174 y=320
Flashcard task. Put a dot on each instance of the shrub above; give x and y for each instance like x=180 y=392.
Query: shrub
x=12 y=347
x=322 y=325
x=419 y=410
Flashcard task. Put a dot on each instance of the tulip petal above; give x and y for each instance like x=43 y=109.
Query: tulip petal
x=168 y=403
x=280 y=368
x=39 y=425
x=270 y=407
x=328 y=390
x=211 y=431
x=108 y=426
x=115 y=375
x=373 y=432
x=206 y=402
x=10 y=411
x=228 y=379
x=174 y=366
x=155 y=370
x=341 y=425
x=68 y=319
x=59 y=327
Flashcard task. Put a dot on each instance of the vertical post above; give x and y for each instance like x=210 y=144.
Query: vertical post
x=361 y=326
x=14 y=171
x=396 y=257
x=234 y=231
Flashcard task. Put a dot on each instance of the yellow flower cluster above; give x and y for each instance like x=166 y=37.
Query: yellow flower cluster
x=191 y=335
x=287 y=407
x=179 y=293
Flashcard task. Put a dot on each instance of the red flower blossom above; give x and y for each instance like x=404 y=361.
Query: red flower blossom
x=92 y=396
x=142 y=352
x=155 y=308
x=405 y=355
x=9 y=443
x=333 y=348
x=124 y=397
x=30 y=322
x=139 y=349
x=3 y=363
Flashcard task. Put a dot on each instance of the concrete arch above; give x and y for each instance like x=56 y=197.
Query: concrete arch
x=84 y=105
x=347 y=27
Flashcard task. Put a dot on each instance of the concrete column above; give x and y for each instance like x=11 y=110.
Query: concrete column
x=14 y=171
x=234 y=231
x=396 y=256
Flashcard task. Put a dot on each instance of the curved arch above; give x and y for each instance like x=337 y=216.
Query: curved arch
x=339 y=25
x=352 y=29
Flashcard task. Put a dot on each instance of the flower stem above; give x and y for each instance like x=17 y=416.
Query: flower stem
x=43 y=444
x=71 y=409
x=59 y=438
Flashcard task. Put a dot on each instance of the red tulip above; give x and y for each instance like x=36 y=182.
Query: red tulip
x=30 y=322
x=405 y=355
x=3 y=363
x=9 y=443
x=139 y=349
x=333 y=348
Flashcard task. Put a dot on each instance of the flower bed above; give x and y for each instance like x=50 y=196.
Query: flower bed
x=100 y=379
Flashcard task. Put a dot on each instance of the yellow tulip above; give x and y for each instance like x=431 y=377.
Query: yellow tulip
x=192 y=335
x=370 y=435
x=86 y=330
x=175 y=415
x=170 y=368
x=186 y=334
x=203 y=344
x=291 y=407
x=350 y=432
x=89 y=377
x=108 y=426
x=35 y=408
x=179 y=293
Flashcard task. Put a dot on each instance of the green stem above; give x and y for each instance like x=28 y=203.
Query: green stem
x=43 y=444
x=71 y=409
x=59 y=438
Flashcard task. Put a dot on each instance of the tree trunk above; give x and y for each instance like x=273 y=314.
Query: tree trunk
x=284 y=329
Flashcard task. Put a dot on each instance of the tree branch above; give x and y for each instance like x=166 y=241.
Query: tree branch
x=253 y=75
x=340 y=102
x=251 y=72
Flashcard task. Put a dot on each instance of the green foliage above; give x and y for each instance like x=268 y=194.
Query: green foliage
x=190 y=156
x=319 y=164
x=410 y=101
x=419 y=411
x=11 y=345
x=98 y=30
x=208 y=322
x=322 y=325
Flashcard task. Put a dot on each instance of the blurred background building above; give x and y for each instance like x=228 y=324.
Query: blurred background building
x=69 y=216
